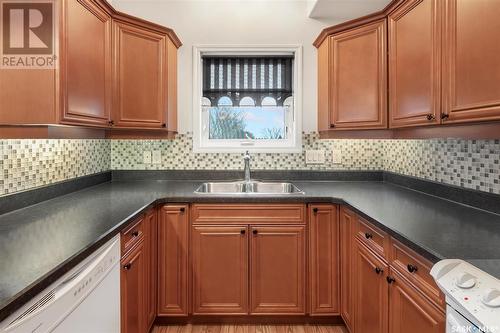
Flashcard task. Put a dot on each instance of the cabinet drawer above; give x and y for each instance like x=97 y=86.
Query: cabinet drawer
x=132 y=234
x=417 y=270
x=376 y=239
x=248 y=214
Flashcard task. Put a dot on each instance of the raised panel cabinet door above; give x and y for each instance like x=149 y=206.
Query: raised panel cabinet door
x=415 y=63
x=133 y=279
x=359 y=72
x=347 y=274
x=324 y=259
x=277 y=270
x=471 y=75
x=139 y=77
x=173 y=242
x=220 y=269
x=151 y=251
x=409 y=311
x=371 y=305
x=86 y=63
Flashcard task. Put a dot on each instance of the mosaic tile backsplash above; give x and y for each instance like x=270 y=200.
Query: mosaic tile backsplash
x=27 y=164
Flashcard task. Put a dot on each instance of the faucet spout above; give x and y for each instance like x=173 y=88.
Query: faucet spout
x=246 y=159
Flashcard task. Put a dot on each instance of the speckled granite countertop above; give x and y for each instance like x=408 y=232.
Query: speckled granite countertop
x=39 y=243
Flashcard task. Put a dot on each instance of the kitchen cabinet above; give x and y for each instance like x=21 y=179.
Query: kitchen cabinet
x=352 y=74
x=410 y=312
x=372 y=306
x=220 y=269
x=277 y=270
x=133 y=284
x=324 y=259
x=415 y=63
x=151 y=251
x=471 y=68
x=347 y=273
x=173 y=236
x=86 y=63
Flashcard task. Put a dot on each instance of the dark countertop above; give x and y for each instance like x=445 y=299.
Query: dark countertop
x=40 y=243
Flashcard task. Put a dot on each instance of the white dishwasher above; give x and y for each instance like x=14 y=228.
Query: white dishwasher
x=85 y=300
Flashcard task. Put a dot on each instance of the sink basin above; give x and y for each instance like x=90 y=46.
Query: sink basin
x=254 y=187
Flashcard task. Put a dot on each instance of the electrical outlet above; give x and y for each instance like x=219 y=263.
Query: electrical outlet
x=156 y=157
x=315 y=156
x=146 y=157
x=336 y=156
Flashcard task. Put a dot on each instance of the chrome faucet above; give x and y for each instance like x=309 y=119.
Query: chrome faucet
x=247 y=159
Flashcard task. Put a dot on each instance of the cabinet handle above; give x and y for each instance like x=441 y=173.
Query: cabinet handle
x=378 y=270
x=182 y=209
x=445 y=116
x=430 y=117
x=163 y=125
x=242 y=231
x=412 y=268
x=135 y=234
x=332 y=125
x=127 y=266
x=368 y=235
x=315 y=210
x=255 y=232
x=390 y=280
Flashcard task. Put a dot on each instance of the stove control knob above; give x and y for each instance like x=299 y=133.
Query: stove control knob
x=465 y=280
x=491 y=298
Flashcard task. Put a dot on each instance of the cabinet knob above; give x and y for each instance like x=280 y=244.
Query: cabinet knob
x=445 y=116
x=111 y=123
x=412 y=268
x=315 y=210
x=135 y=233
x=242 y=231
x=127 y=266
x=430 y=117
x=163 y=125
x=182 y=209
x=378 y=270
x=390 y=280
x=332 y=125
x=368 y=235
x=255 y=231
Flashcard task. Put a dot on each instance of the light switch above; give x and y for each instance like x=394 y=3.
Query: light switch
x=336 y=156
x=315 y=156
x=156 y=157
x=146 y=157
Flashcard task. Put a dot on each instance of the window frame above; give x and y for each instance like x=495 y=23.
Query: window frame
x=293 y=144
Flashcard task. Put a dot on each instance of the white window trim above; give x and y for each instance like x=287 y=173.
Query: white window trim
x=294 y=145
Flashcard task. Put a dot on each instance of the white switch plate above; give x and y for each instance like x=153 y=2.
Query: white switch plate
x=315 y=156
x=146 y=157
x=156 y=157
x=336 y=156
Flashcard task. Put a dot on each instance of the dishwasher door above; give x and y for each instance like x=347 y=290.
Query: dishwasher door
x=87 y=299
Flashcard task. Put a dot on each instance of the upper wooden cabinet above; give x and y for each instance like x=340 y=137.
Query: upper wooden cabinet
x=140 y=77
x=352 y=74
x=415 y=63
x=86 y=63
x=471 y=72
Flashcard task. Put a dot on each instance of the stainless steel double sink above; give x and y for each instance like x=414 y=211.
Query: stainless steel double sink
x=252 y=187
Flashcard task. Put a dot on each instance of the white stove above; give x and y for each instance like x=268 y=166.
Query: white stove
x=472 y=297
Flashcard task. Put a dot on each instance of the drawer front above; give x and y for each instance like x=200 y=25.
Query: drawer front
x=131 y=235
x=248 y=214
x=417 y=270
x=376 y=239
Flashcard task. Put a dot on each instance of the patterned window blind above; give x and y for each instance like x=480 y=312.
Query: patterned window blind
x=255 y=77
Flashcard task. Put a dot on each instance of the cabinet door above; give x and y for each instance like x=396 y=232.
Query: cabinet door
x=409 y=311
x=324 y=259
x=359 y=69
x=150 y=248
x=173 y=226
x=220 y=270
x=415 y=63
x=277 y=270
x=133 y=279
x=471 y=77
x=139 y=77
x=371 y=308
x=347 y=267
x=86 y=63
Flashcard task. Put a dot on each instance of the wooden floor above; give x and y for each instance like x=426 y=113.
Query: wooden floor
x=249 y=329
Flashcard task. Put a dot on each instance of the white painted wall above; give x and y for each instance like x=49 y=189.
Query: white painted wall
x=234 y=22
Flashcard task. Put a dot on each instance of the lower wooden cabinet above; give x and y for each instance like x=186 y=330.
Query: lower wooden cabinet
x=409 y=311
x=371 y=288
x=324 y=259
x=347 y=267
x=173 y=235
x=133 y=289
x=150 y=249
x=277 y=270
x=220 y=269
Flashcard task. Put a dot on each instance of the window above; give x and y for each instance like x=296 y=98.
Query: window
x=247 y=100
